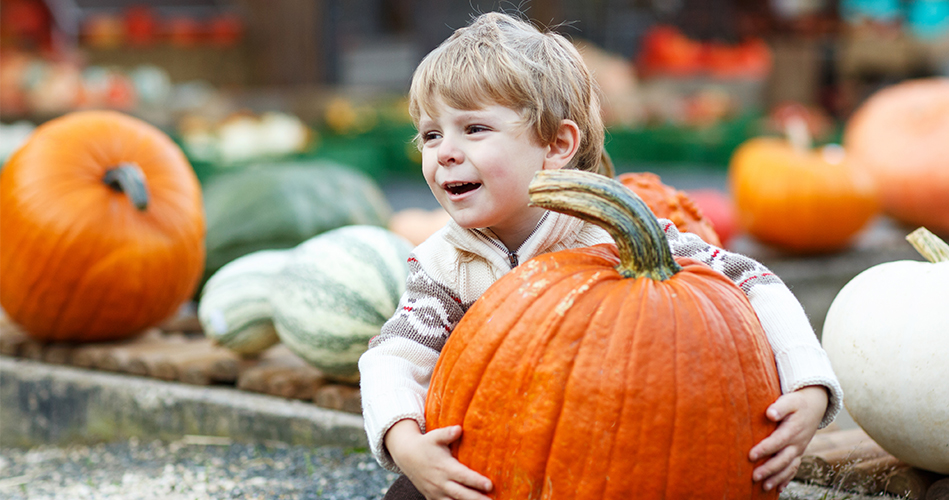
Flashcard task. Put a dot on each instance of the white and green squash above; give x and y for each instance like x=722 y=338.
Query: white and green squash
x=887 y=337
x=336 y=291
x=235 y=310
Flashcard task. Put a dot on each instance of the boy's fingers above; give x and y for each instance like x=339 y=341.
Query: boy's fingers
x=781 y=408
x=461 y=492
x=773 y=467
x=471 y=479
x=770 y=445
x=783 y=477
x=446 y=435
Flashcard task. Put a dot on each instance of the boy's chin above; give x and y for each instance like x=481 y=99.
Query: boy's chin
x=467 y=222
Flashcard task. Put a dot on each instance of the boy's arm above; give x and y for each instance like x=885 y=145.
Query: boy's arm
x=396 y=369
x=394 y=379
x=800 y=359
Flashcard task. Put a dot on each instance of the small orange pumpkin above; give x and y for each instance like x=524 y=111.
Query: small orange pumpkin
x=102 y=229
x=417 y=224
x=797 y=198
x=670 y=203
x=900 y=136
x=601 y=371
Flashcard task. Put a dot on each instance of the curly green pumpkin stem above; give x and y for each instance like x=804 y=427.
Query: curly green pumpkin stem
x=128 y=178
x=643 y=249
x=929 y=245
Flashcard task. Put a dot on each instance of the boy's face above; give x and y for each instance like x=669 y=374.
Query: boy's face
x=478 y=163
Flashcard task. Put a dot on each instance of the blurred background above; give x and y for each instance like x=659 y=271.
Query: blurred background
x=238 y=81
x=243 y=86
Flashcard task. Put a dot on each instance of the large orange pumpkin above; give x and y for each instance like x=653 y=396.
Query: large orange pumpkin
x=608 y=372
x=102 y=229
x=670 y=203
x=800 y=199
x=900 y=136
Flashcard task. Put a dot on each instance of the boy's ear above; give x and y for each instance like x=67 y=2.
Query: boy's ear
x=563 y=147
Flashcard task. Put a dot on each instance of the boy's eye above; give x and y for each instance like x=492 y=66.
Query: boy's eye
x=474 y=129
x=428 y=136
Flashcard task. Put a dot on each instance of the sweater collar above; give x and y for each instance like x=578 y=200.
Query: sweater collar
x=552 y=228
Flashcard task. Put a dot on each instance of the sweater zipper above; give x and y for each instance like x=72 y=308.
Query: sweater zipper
x=511 y=256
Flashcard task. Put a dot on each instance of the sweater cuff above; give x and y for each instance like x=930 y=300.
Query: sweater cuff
x=811 y=366
x=388 y=409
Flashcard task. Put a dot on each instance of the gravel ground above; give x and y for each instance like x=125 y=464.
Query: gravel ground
x=200 y=467
x=194 y=468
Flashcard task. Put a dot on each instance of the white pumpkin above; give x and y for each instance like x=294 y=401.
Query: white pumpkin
x=887 y=336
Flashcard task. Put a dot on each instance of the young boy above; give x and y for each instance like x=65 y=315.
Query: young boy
x=495 y=103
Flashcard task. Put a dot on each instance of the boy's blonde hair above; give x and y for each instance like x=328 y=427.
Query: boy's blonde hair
x=499 y=59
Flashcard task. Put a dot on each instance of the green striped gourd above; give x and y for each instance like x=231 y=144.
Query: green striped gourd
x=281 y=205
x=235 y=309
x=336 y=292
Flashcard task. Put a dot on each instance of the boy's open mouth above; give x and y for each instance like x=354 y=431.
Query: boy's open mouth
x=457 y=188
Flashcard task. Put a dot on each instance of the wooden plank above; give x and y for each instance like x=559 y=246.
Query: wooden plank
x=58 y=354
x=866 y=476
x=850 y=460
x=91 y=355
x=939 y=490
x=120 y=357
x=184 y=320
x=911 y=482
x=202 y=364
x=296 y=384
x=339 y=397
x=12 y=337
x=828 y=453
x=158 y=360
x=279 y=372
x=33 y=350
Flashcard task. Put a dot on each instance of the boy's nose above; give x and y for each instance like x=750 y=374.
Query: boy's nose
x=449 y=153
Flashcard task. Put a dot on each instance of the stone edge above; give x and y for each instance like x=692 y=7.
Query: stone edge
x=52 y=404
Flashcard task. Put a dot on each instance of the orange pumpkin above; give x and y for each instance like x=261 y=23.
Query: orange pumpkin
x=600 y=371
x=900 y=136
x=797 y=198
x=102 y=229
x=417 y=224
x=670 y=203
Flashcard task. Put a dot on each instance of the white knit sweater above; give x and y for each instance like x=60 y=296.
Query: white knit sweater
x=454 y=267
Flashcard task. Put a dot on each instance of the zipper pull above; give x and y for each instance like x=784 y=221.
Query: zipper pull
x=512 y=256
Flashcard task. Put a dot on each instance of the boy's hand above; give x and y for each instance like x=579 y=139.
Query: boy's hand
x=427 y=462
x=798 y=415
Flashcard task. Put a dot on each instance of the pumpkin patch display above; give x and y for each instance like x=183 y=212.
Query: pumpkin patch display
x=102 y=229
x=336 y=291
x=670 y=203
x=799 y=199
x=900 y=137
x=601 y=371
x=887 y=336
x=274 y=206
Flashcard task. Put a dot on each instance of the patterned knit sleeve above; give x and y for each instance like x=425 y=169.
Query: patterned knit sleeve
x=427 y=312
x=396 y=369
x=799 y=357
